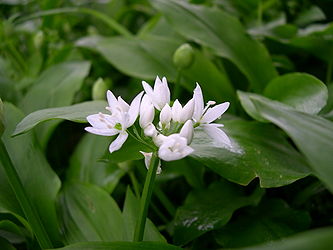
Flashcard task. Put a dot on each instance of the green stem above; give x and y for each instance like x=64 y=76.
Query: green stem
x=28 y=209
x=260 y=10
x=177 y=83
x=106 y=19
x=146 y=197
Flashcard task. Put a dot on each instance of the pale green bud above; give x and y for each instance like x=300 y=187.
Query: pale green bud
x=99 y=89
x=38 y=39
x=183 y=56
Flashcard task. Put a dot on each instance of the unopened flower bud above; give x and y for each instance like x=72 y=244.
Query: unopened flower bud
x=165 y=115
x=187 y=131
x=187 y=111
x=147 y=112
x=38 y=39
x=183 y=56
x=99 y=89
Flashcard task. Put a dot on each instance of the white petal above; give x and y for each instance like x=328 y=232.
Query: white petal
x=133 y=110
x=215 y=112
x=166 y=114
x=99 y=131
x=122 y=104
x=217 y=134
x=151 y=94
x=159 y=139
x=198 y=103
x=166 y=91
x=187 y=111
x=112 y=100
x=118 y=142
x=101 y=121
x=150 y=130
x=176 y=111
x=187 y=131
x=167 y=155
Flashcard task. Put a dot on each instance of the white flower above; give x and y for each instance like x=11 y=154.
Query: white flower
x=174 y=147
x=182 y=114
x=160 y=95
x=148 y=156
x=122 y=117
x=203 y=116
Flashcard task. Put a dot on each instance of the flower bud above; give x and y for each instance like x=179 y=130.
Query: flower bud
x=187 y=131
x=165 y=115
x=183 y=56
x=147 y=112
x=99 y=89
x=38 y=39
x=177 y=111
x=187 y=111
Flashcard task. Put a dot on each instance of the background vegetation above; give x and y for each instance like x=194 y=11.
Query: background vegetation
x=272 y=60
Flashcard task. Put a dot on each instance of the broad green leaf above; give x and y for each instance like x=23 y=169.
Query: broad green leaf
x=86 y=165
x=257 y=151
x=148 y=56
x=130 y=214
x=120 y=246
x=273 y=219
x=204 y=25
x=248 y=105
x=312 y=134
x=29 y=161
x=143 y=58
x=55 y=87
x=319 y=239
x=209 y=209
x=76 y=113
x=88 y=213
x=302 y=91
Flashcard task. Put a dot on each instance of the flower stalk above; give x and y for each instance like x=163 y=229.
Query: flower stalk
x=146 y=197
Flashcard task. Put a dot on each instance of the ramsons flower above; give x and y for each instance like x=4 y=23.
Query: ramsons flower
x=160 y=95
x=122 y=117
x=203 y=116
x=174 y=147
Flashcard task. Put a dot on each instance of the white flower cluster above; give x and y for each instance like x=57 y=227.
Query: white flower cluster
x=172 y=133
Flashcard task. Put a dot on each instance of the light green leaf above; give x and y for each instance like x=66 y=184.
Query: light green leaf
x=120 y=246
x=312 y=134
x=302 y=91
x=319 y=239
x=55 y=87
x=143 y=58
x=203 y=25
x=210 y=209
x=88 y=213
x=257 y=151
x=29 y=161
x=86 y=165
x=77 y=113
x=149 y=56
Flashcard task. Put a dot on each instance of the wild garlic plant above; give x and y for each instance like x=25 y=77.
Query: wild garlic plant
x=167 y=128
